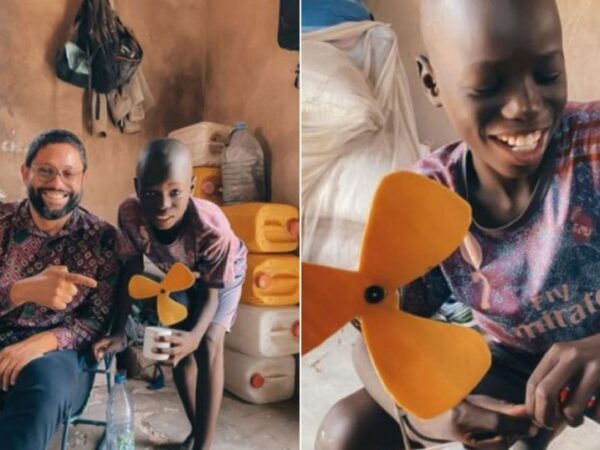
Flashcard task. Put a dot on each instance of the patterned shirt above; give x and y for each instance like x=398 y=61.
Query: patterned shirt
x=85 y=245
x=535 y=281
x=207 y=244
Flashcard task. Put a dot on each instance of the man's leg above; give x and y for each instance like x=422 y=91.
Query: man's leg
x=209 y=385
x=46 y=390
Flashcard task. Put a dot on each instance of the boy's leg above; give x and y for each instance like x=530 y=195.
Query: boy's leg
x=185 y=375
x=209 y=385
x=46 y=390
x=357 y=422
x=350 y=407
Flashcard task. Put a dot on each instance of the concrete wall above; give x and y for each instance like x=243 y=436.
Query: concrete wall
x=247 y=78
x=581 y=22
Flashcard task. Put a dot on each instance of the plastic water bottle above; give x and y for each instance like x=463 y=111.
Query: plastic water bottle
x=243 y=167
x=119 y=417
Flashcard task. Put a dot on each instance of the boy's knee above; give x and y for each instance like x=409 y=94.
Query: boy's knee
x=357 y=422
x=338 y=429
x=214 y=341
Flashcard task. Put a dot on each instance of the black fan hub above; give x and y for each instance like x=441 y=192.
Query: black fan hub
x=374 y=294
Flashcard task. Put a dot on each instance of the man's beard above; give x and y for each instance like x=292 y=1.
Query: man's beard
x=36 y=200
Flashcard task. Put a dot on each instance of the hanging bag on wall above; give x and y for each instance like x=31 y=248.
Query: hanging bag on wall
x=72 y=62
x=100 y=46
x=115 y=52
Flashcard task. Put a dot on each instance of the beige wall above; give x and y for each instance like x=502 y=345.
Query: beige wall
x=250 y=78
x=175 y=35
x=581 y=29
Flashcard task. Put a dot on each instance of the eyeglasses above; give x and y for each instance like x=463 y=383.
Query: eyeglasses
x=47 y=173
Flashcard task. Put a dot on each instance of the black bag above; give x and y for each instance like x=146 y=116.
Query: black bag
x=72 y=65
x=112 y=53
x=113 y=65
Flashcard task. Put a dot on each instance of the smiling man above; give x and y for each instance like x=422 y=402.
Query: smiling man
x=58 y=271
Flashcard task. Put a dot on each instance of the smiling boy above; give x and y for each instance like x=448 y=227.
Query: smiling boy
x=164 y=224
x=528 y=164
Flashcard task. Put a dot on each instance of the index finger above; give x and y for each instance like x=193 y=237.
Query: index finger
x=83 y=280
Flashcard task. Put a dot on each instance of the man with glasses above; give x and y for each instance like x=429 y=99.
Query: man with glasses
x=58 y=272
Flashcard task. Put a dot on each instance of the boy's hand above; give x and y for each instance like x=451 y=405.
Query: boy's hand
x=54 y=287
x=481 y=422
x=110 y=344
x=182 y=344
x=575 y=364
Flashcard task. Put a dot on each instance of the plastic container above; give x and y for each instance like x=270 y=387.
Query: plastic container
x=265 y=331
x=271 y=280
x=265 y=227
x=119 y=417
x=205 y=140
x=243 y=167
x=208 y=184
x=259 y=380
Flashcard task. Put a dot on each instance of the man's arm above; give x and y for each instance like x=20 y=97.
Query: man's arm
x=53 y=288
x=91 y=319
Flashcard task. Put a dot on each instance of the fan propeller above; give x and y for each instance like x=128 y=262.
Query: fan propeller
x=427 y=366
x=178 y=278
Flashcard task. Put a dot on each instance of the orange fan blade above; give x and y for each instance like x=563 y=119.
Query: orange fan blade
x=169 y=311
x=141 y=287
x=330 y=298
x=428 y=367
x=178 y=278
x=414 y=224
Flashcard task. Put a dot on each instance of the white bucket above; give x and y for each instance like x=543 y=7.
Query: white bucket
x=265 y=330
x=259 y=380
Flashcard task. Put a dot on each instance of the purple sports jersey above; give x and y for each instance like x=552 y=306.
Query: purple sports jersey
x=535 y=281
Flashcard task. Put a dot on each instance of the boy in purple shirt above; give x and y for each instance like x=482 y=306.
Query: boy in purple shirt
x=530 y=169
x=162 y=225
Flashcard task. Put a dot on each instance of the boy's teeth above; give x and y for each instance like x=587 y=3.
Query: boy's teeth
x=521 y=141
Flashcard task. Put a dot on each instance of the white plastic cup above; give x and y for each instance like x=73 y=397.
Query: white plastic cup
x=150 y=343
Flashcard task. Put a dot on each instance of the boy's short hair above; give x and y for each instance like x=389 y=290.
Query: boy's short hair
x=56 y=136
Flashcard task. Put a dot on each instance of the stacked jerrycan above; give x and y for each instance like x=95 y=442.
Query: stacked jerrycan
x=206 y=142
x=259 y=362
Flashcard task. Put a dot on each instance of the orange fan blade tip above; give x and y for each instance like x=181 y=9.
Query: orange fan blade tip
x=169 y=311
x=178 y=278
x=428 y=367
x=329 y=300
x=141 y=287
x=414 y=224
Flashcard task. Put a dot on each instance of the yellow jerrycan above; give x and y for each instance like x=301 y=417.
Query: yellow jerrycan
x=265 y=227
x=208 y=184
x=271 y=280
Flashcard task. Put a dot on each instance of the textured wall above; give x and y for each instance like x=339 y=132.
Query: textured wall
x=232 y=44
x=250 y=78
x=581 y=35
